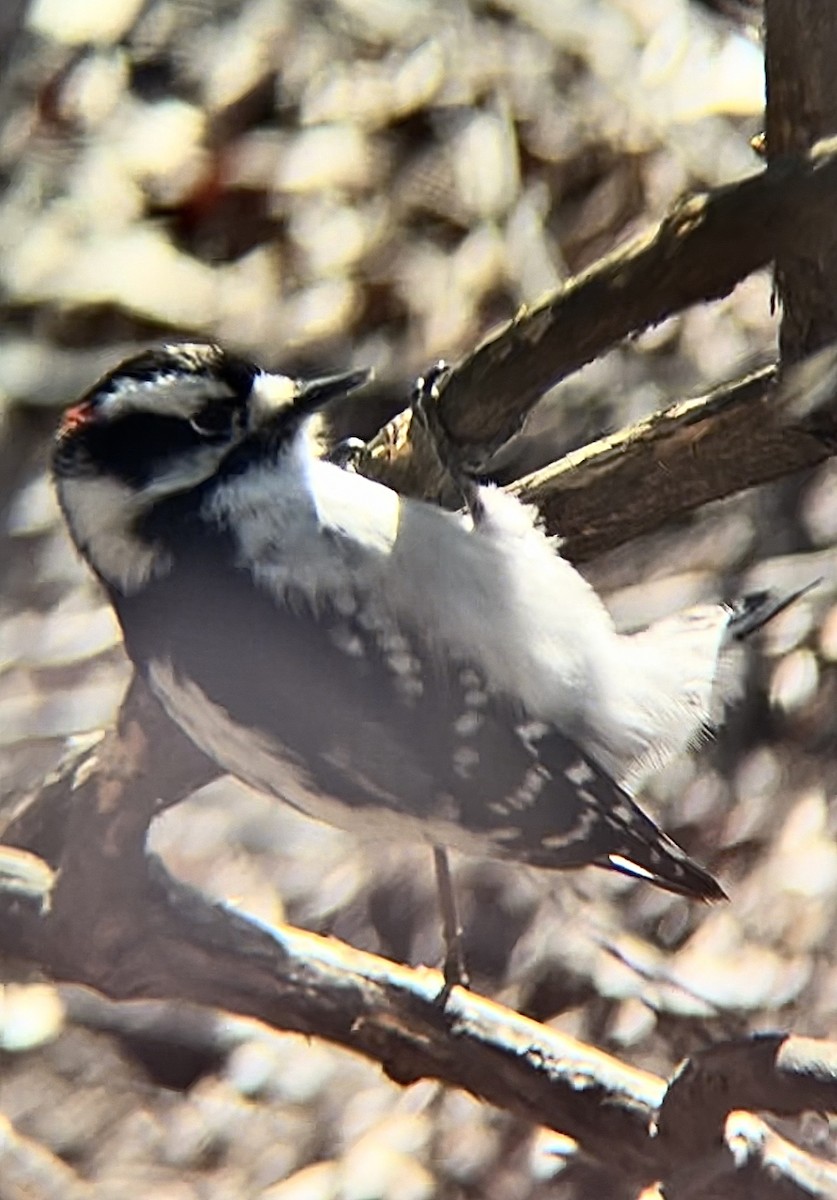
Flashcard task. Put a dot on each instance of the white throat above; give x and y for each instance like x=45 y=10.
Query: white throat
x=102 y=514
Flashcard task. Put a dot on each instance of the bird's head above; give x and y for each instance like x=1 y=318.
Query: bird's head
x=161 y=425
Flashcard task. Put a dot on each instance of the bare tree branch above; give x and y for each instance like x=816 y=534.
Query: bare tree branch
x=700 y=251
x=119 y=923
x=695 y=451
x=801 y=108
x=753 y=1162
x=780 y=1074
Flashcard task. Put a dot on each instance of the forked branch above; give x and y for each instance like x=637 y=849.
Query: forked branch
x=692 y=452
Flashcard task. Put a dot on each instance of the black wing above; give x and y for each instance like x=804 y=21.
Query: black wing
x=358 y=728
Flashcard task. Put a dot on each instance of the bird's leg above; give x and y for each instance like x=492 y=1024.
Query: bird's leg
x=345 y=454
x=454 y=969
x=425 y=406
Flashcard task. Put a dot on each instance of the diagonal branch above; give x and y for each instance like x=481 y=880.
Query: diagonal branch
x=752 y=431
x=707 y=244
x=781 y=1074
x=700 y=251
x=668 y=464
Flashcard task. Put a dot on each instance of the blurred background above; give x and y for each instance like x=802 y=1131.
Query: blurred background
x=378 y=183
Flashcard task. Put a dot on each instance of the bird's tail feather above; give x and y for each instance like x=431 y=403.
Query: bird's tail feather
x=598 y=823
x=639 y=848
x=688 y=879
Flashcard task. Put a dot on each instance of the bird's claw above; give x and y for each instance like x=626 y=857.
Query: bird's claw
x=425 y=407
x=346 y=453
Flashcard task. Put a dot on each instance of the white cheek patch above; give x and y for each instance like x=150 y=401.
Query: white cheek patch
x=168 y=394
x=100 y=514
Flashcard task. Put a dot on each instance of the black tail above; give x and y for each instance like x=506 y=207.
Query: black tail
x=583 y=817
x=672 y=869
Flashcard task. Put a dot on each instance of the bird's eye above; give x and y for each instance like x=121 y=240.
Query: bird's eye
x=215 y=423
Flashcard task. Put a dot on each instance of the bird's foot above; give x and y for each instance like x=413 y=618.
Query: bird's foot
x=346 y=453
x=425 y=407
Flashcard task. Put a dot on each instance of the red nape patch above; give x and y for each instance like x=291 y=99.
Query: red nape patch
x=75 y=417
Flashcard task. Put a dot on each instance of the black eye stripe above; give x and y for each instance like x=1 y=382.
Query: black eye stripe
x=216 y=421
x=136 y=448
x=121 y=428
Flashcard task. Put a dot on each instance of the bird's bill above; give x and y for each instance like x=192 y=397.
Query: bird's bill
x=273 y=393
x=313 y=394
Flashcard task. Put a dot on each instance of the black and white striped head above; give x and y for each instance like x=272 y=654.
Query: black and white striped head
x=162 y=424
